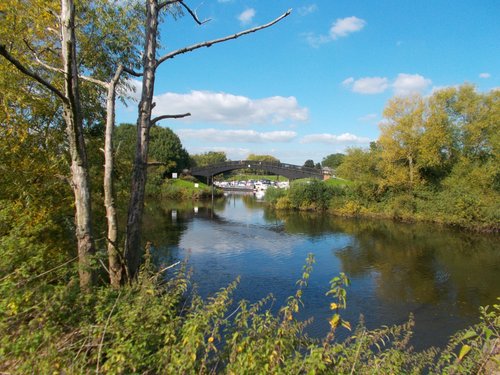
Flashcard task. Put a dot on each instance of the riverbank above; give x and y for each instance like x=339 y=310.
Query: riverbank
x=361 y=200
x=188 y=189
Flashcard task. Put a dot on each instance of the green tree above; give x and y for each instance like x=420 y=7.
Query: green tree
x=269 y=158
x=400 y=137
x=333 y=160
x=208 y=158
x=309 y=163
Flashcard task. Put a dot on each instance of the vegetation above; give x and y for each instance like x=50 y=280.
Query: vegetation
x=208 y=158
x=75 y=296
x=333 y=160
x=160 y=325
x=190 y=189
x=436 y=160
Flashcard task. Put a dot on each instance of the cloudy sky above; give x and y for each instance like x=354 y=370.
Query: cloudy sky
x=317 y=82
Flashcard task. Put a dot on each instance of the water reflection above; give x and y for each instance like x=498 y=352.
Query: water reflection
x=440 y=275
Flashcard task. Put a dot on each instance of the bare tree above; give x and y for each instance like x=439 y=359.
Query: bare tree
x=72 y=115
x=133 y=251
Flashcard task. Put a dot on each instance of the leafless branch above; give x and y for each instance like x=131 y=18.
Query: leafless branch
x=132 y=72
x=159 y=118
x=193 y=14
x=19 y=66
x=168 y=267
x=209 y=43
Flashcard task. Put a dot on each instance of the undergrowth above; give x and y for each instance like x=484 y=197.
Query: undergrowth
x=160 y=325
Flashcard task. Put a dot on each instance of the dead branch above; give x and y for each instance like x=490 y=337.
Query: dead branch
x=209 y=43
x=159 y=118
x=132 y=72
x=193 y=14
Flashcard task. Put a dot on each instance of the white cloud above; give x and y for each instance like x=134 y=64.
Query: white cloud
x=246 y=16
x=348 y=81
x=484 y=75
x=131 y=89
x=307 y=9
x=368 y=117
x=404 y=84
x=345 y=26
x=334 y=139
x=367 y=85
x=407 y=84
x=316 y=41
x=229 y=109
x=342 y=27
x=245 y=136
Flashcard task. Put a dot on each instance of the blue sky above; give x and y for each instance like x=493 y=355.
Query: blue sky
x=317 y=82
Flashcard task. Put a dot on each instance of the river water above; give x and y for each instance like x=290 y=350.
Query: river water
x=440 y=275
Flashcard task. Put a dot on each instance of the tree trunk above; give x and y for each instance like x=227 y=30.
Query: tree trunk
x=74 y=131
x=133 y=250
x=114 y=259
x=410 y=165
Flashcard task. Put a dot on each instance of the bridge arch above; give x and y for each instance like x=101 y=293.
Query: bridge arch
x=289 y=171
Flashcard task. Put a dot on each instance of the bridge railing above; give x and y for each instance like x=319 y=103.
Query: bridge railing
x=254 y=164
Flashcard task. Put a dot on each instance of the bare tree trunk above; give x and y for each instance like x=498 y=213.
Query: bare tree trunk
x=115 y=262
x=74 y=131
x=410 y=166
x=133 y=251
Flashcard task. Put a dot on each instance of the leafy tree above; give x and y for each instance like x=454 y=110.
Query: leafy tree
x=400 y=140
x=359 y=165
x=333 y=160
x=208 y=158
x=268 y=158
x=309 y=163
x=165 y=147
x=66 y=87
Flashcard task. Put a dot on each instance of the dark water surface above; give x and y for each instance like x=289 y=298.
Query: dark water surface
x=440 y=275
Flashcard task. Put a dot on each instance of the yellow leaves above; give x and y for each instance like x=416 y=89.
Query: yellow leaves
x=334 y=306
x=334 y=321
x=13 y=308
x=463 y=352
x=211 y=339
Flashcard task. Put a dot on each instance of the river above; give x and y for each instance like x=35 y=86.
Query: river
x=440 y=275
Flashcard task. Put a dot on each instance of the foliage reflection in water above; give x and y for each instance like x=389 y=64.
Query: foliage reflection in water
x=440 y=275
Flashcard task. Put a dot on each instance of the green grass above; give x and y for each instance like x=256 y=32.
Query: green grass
x=185 y=189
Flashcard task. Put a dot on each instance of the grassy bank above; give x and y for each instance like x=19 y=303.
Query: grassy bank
x=180 y=189
x=365 y=200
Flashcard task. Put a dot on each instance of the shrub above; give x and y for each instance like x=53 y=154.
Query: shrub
x=160 y=325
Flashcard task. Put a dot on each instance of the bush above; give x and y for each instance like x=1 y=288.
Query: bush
x=312 y=194
x=159 y=325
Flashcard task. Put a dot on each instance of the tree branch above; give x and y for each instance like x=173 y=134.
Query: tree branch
x=58 y=70
x=193 y=14
x=132 y=72
x=165 y=3
x=171 y=55
x=19 y=66
x=159 y=118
